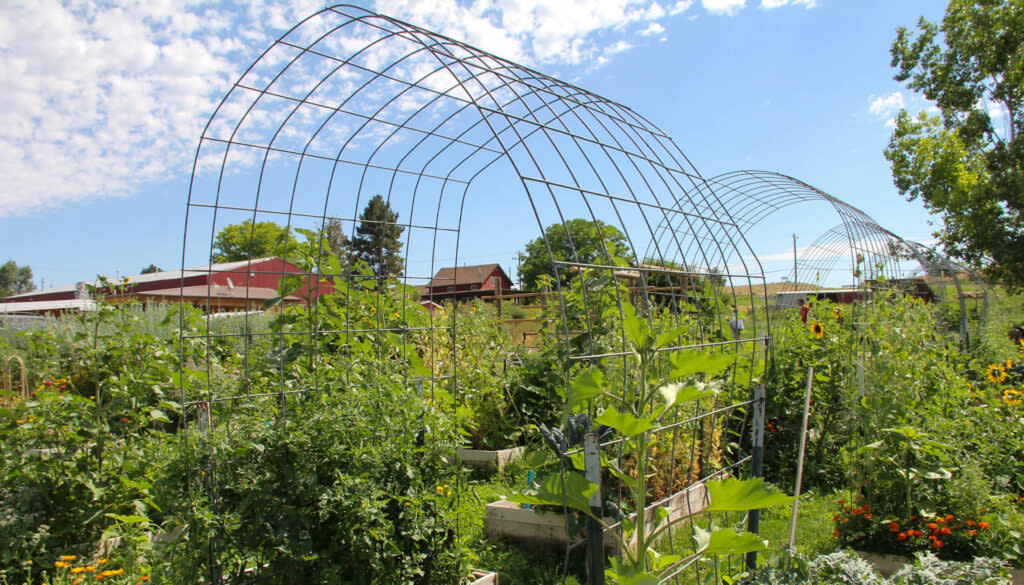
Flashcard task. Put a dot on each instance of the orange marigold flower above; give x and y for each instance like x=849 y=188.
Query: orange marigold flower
x=846 y=520
x=902 y=536
x=971 y=522
x=972 y=533
x=841 y=502
x=945 y=531
x=983 y=525
x=835 y=534
x=937 y=543
x=869 y=516
x=78 y=570
x=91 y=568
x=894 y=527
x=933 y=526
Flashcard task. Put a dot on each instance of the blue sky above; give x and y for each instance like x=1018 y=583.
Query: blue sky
x=108 y=101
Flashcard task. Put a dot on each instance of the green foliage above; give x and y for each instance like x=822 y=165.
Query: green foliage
x=246 y=241
x=15 y=279
x=152 y=268
x=846 y=568
x=967 y=164
x=577 y=240
x=661 y=381
x=377 y=240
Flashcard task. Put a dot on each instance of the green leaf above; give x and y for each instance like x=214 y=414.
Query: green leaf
x=584 y=387
x=688 y=363
x=638 y=331
x=726 y=541
x=740 y=495
x=576 y=494
x=625 y=423
x=128 y=519
x=678 y=393
x=158 y=416
x=169 y=405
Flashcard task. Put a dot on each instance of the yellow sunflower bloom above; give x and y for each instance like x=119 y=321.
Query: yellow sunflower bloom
x=997 y=373
x=1009 y=364
x=1011 y=396
x=817 y=330
x=373 y=310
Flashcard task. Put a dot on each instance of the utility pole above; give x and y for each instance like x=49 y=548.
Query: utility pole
x=795 y=279
x=519 y=263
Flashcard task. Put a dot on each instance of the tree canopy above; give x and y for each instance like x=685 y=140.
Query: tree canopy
x=244 y=241
x=377 y=240
x=15 y=279
x=966 y=163
x=152 y=268
x=578 y=240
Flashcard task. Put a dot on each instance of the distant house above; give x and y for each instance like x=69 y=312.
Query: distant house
x=230 y=286
x=467 y=282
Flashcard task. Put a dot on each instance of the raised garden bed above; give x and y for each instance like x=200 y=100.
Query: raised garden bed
x=483 y=578
x=887 y=565
x=483 y=459
x=508 y=520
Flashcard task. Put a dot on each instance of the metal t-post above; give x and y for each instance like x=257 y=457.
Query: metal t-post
x=800 y=460
x=756 y=465
x=595 y=532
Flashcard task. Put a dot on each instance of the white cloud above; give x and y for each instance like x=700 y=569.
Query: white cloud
x=887 y=106
x=770 y=4
x=101 y=98
x=723 y=7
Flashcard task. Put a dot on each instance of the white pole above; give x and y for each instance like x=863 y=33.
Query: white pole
x=800 y=459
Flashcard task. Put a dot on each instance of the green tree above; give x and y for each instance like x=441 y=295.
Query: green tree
x=377 y=240
x=578 y=240
x=338 y=242
x=15 y=279
x=151 y=269
x=967 y=163
x=244 y=241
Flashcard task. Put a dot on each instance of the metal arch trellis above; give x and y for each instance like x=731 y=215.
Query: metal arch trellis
x=350 y=104
x=871 y=250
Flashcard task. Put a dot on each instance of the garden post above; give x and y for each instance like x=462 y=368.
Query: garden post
x=800 y=459
x=595 y=532
x=756 y=464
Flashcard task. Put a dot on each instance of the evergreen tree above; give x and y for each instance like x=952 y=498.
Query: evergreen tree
x=151 y=269
x=377 y=240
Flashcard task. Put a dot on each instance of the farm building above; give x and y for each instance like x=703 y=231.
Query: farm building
x=468 y=282
x=231 y=286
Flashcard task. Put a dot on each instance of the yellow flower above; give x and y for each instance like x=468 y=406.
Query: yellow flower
x=92 y=568
x=816 y=329
x=101 y=561
x=1009 y=364
x=112 y=572
x=837 y=312
x=1011 y=396
x=373 y=310
x=997 y=373
x=68 y=557
x=78 y=570
x=61 y=564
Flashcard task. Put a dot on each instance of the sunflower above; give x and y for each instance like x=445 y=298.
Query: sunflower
x=1009 y=364
x=997 y=373
x=837 y=312
x=1020 y=346
x=373 y=310
x=1011 y=396
x=816 y=329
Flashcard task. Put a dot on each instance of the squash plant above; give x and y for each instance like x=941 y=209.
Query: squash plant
x=661 y=380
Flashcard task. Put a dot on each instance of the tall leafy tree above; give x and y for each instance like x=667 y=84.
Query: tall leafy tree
x=377 y=240
x=334 y=233
x=967 y=163
x=578 y=240
x=150 y=269
x=15 y=279
x=244 y=241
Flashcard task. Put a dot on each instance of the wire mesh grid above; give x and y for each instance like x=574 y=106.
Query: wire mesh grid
x=350 y=110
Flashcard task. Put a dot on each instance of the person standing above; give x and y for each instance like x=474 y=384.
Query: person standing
x=736 y=324
x=804 y=310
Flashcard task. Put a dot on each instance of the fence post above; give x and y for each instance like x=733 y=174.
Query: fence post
x=595 y=532
x=756 y=464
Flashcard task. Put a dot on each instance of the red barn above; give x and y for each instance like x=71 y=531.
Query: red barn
x=229 y=286
x=466 y=282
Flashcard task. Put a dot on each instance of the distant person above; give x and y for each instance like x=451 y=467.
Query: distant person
x=804 y=309
x=736 y=324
